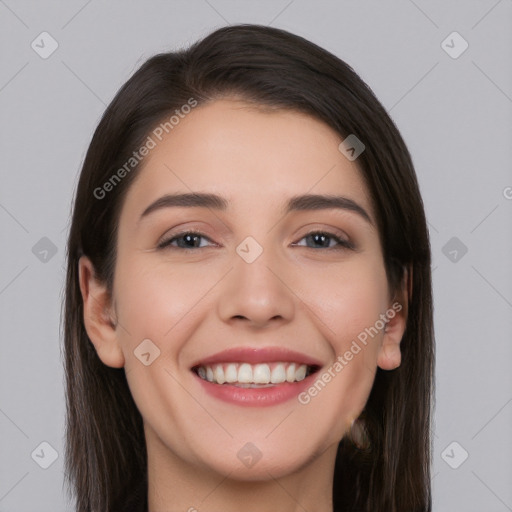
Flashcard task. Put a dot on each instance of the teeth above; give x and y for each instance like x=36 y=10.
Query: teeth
x=300 y=373
x=278 y=374
x=231 y=373
x=258 y=375
x=290 y=373
x=261 y=374
x=218 y=374
x=244 y=374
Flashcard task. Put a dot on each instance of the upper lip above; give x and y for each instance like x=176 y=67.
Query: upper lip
x=258 y=355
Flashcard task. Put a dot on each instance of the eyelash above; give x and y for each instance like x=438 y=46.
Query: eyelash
x=341 y=243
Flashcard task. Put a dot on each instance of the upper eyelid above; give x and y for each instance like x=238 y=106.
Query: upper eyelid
x=166 y=240
x=316 y=229
x=325 y=232
x=329 y=232
x=342 y=241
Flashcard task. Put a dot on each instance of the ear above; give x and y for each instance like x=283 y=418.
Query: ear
x=390 y=356
x=99 y=321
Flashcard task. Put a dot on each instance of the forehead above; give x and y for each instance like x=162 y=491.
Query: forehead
x=247 y=154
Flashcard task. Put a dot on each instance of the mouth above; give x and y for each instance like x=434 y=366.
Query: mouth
x=255 y=376
x=262 y=375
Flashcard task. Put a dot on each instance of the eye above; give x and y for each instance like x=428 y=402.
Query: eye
x=325 y=240
x=185 y=240
x=314 y=240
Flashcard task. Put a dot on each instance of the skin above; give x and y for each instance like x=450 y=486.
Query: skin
x=192 y=303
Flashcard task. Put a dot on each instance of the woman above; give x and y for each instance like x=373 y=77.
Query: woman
x=248 y=313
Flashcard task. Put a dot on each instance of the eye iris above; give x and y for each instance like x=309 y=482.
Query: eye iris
x=191 y=240
x=321 y=239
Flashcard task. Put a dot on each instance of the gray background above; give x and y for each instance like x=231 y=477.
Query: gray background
x=454 y=113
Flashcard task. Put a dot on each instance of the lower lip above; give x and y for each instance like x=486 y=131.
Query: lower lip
x=256 y=397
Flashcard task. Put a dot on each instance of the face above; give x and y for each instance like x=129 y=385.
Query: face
x=249 y=317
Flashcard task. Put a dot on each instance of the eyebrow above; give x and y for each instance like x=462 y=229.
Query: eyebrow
x=296 y=203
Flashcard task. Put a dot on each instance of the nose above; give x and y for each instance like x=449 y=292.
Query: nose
x=257 y=294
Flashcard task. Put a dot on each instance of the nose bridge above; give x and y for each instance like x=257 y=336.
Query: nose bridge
x=255 y=290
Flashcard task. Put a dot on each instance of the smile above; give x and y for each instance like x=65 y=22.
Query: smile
x=248 y=375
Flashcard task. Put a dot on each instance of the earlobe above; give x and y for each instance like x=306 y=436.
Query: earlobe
x=390 y=356
x=98 y=319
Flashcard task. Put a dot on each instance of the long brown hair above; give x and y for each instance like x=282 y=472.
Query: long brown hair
x=106 y=464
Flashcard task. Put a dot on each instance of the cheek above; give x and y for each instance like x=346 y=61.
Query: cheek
x=347 y=304
x=157 y=302
x=349 y=299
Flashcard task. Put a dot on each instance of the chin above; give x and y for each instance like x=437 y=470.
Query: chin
x=252 y=464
